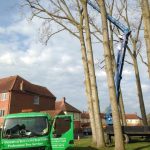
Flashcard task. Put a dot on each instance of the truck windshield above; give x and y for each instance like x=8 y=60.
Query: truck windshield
x=25 y=127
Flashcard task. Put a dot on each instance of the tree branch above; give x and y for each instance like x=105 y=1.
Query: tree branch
x=143 y=60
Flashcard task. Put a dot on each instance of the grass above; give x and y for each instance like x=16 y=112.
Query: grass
x=136 y=144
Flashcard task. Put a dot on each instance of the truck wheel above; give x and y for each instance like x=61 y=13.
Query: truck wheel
x=126 y=138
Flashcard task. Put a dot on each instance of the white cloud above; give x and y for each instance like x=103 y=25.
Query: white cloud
x=2 y=30
x=57 y=69
x=23 y=27
x=54 y=66
x=145 y=88
x=127 y=72
x=7 y=58
x=65 y=58
x=73 y=69
x=101 y=74
x=36 y=54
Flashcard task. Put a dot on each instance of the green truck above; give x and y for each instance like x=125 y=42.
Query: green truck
x=36 y=131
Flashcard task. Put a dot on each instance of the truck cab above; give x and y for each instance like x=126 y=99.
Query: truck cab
x=36 y=131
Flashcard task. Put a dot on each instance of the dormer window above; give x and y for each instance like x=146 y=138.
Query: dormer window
x=36 y=100
x=4 y=96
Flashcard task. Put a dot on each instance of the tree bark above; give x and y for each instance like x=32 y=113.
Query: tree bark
x=122 y=110
x=146 y=19
x=87 y=85
x=98 y=121
x=119 y=145
x=121 y=104
x=138 y=81
x=140 y=93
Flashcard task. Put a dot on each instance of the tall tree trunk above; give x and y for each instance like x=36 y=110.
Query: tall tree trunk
x=138 y=81
x=140 y=94
x=119 y=145
x=146 y=19
x=98 y=121
x=121 y=104
x=87 y=84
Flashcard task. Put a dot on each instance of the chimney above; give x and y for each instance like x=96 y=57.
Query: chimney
x=21 y=85
x=64 y=99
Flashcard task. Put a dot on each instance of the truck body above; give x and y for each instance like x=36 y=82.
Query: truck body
x=131 y=130
x=128 y=132
x=36 y=131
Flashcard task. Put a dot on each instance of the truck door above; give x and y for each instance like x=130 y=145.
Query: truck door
x=62 y=132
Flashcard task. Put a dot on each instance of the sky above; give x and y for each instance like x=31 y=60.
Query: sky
x=58 y=64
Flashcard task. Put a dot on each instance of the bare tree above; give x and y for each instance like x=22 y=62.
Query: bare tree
x=119 y=145
x=62 y=13
x=146 y=19
x=98 y=122
x=110 y=7
x=134 y=52
x=87 y=78
x=97 y=34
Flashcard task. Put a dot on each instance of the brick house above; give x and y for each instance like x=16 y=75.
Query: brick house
x=62 y=107
x=19 y=95
x=148 y=119
x=85 y=119
x=65 y=108
x=132 y=120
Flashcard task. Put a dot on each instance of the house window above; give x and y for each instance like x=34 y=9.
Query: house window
x=2 y=113
x=36 y=100
x=3 y=96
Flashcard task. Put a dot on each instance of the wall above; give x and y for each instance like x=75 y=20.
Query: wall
x=85 y=120
x=23 y=102
x=4 y=105
x=77 y=119
x=133 y=122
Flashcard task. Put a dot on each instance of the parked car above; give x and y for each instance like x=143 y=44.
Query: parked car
x=87 y=131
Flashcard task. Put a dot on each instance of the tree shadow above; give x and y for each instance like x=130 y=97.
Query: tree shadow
x=88 y=148
x=143 y=147
x=82 y=148
x=142 y=140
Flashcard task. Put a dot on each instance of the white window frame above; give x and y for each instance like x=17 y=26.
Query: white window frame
x=36 y=100
x=2 y=112
x=4 y=96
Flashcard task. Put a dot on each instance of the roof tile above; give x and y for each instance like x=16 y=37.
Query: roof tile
x=63 y=105
x=14 y=83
